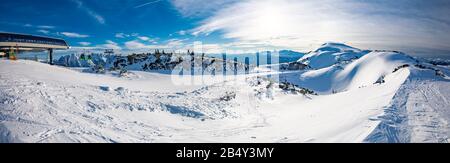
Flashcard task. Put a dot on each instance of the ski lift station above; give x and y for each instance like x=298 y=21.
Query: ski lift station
x=12 y=44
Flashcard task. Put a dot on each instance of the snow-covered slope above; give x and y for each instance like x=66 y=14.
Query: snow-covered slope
x=52 y=104
x=331 y=53
x=377 y=97
x=369 y=69
x=419 y=112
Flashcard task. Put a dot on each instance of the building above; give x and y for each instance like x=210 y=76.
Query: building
x=12 y=44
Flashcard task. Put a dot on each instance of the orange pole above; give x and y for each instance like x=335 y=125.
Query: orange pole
x=17 y=50
x=11 y=53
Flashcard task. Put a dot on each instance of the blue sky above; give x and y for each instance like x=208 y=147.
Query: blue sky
x=235 y=26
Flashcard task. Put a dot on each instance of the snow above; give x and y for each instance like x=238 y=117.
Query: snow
x=419 y=112
x=429 y=106
x=346 y=76
x=43 y=103
x=369 y=69
x=331 y=53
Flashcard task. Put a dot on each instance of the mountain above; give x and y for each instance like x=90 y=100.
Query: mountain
x=417 y=111
x=357 y=96
x=167 y=62
x=331 y=53
x=366 y=70
x=289 y=56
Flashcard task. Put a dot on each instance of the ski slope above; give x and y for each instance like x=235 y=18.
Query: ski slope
x=419 y=112
x=42 y=103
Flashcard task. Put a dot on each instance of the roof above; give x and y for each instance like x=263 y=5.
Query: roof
x=24 y=41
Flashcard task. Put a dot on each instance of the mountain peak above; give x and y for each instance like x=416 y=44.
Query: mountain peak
x=336 y=47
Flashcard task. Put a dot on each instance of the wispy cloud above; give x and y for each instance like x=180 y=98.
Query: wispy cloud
x=126 y=35
x=148 y=39
x=172 y=44
x=84 y=43
x=46 y=27
x=148 y=3
x=100 y=19
x=136 y=45
x=36 y=26
x=94 y=48
x=182 y=32
x=200 y=8
x=74 y=35
x=299 y=24
x=43 y=31
x=111 y=45
x=137 y=36
x=121 y=35
x=144 y=38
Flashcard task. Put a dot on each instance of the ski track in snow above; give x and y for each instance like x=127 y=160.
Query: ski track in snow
x=428 y=106
x=418 y=113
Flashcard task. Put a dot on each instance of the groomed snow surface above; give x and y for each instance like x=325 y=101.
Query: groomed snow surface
x=362 y=96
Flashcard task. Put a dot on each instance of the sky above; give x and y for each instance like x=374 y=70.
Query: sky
x=418 y=27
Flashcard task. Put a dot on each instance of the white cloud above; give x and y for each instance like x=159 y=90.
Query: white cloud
x=84 y=43
x=90 y=12
x=43 y=31
x=200 y=8
x=303 y=24
x=144 y=38
x=94 y=49
x=136 y=45
x=121 y=35
x=74 y=35
x=175 y=42
x=36 y=26
x=229 y=48
x=46 y=27
x=172 y=44
x=210 y=49
x=98 y=17
x=111 y=42
x=182 y=32
x=111 y=45
x=135 y=35
x=148 y=3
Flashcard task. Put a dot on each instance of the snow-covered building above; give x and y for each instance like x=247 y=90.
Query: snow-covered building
x=11 y=44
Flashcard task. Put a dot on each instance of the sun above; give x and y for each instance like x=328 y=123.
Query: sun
x=270 y=20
